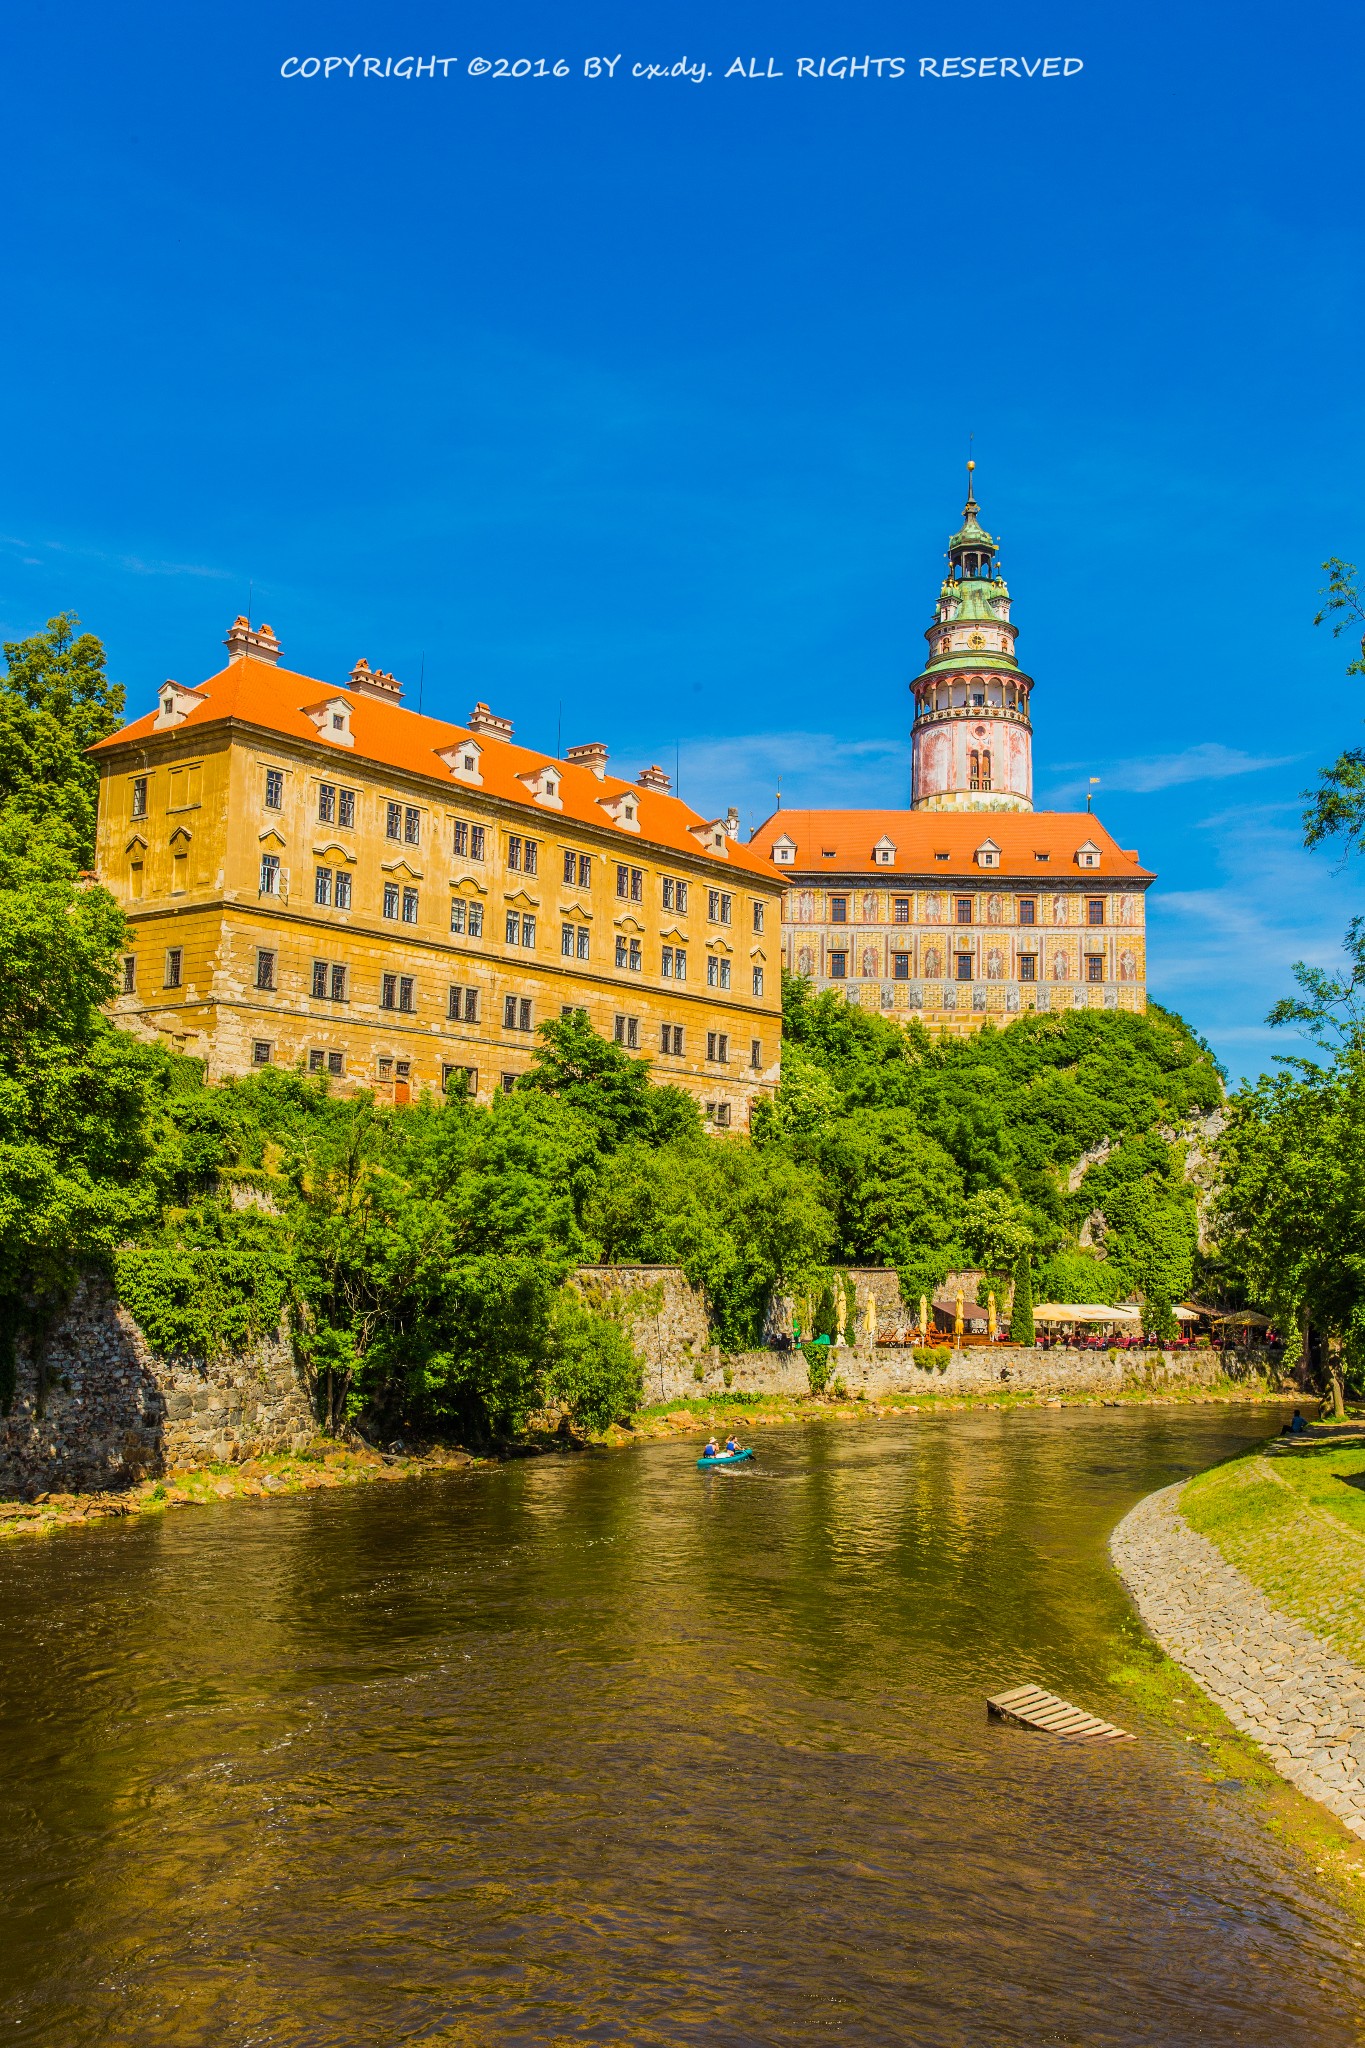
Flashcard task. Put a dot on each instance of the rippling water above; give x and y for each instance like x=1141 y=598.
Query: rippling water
x=604 y=1749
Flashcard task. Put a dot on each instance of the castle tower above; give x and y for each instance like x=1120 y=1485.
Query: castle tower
x=972 y=742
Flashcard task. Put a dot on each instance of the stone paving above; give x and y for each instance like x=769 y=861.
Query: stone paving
x=1300 y=1700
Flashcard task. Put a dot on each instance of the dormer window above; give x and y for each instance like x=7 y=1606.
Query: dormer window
x=463 y=761
x=784 y=851
x=543 y=784
x=1088 y=855
x=622 y=811
x=988 y=854
x=333 y=721
x=338 y=722
x=884 y=852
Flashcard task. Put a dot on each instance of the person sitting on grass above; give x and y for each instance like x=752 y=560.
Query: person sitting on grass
x=1296 y=1424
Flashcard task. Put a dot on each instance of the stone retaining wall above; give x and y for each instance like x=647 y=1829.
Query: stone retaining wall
x=1301 y=1701
x=112 y=1412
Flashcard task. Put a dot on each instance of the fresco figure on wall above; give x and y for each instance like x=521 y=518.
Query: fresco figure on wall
x=933 y=910
x=1125 y=910
x=1059 y=967
x=870 y=961
x=1127 y=967
x=995 y=965
x=1059 y=910
x=933 y=963
x=993 y=908
x=805 y=907
x=805 y=963
x=870 y=908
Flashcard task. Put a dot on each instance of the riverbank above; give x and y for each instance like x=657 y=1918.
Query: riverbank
x=326 y=1463
x=1251 y=1577
x=313 y=1469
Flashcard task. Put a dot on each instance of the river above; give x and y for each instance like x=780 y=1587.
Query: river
x=603 y=1749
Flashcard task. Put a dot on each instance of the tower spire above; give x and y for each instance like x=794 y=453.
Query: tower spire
x=972 y=738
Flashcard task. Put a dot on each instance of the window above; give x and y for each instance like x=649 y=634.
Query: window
x=717 y=1045
x=940 y=856
x=140 y=795
x=717 y=972
x=460 y=1081
x=469 y=839
x=719 y=1113
x=412 y=826
x=1042 y=856
x=577 y=869
x=463 y=1007
x=964 y=966
x=466 y=918
x=270 y=874
x=342 y=894
x=964 y=909
x=1028 y=967
x=900 y=967
x=514 y=851
x=838 y=966
x=329 y=981
x=520 y=930
x=327 y=803
x=523 y=854
x=630 y=954
x=671 y=1040
x=322 y=886
x=461 y=845
x=1094 y=910
x=758 y=917
x=265 y=969
x=675 y=963
x=566 y=940
x=838 y=910
x=407 y=992
x=508 y=1084
x=393 y=821
x=630 y=883
x=388 y=992
x=260 y=1052
x=516 y=1013
x=477 y=840
x=335 y=1063
x=675 y=895
x=409 y=906
x=573 y=1010
x=346 y=807
x=719 y=905
x=1028 y=910
x=390 y=899
x=130 y=974
x=1094 y=967
x=900 y=910
x=175 y=961
x=274 y=789
x=755 y=1052
x=627 y=1032
x=574 y=941
x=316 y=1061
x=385 y=1068
x=758 y=981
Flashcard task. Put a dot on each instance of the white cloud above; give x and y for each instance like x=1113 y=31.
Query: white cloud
x=1207 y=761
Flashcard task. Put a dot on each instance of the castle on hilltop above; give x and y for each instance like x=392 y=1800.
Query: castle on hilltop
x=970 y=906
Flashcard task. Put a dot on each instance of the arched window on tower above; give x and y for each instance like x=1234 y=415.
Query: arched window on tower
x=986 y=768
x=975 y=766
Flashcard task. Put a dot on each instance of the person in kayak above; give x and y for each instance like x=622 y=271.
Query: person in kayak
x=710 y=1450
x=730 y=1447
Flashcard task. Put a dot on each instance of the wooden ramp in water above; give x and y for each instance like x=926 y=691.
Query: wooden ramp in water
x=1033 y=1708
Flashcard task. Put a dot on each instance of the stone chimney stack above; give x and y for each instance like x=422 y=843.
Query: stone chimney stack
x=593 y=754
x=488 y=724
x=373 y=682
x=655 y=778
x=259 y=642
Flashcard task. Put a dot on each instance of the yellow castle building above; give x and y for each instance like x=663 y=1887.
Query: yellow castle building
x=316 y=875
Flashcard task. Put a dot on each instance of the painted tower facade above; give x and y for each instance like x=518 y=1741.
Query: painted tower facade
x=972 y=740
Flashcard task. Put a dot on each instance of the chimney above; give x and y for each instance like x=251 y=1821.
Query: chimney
x=487 y=722
x=260 y=643
x=732 y=823
x=655 y=778
x=593 y=754
x=373 y=682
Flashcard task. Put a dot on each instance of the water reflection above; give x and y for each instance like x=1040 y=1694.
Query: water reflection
x=605 y=1749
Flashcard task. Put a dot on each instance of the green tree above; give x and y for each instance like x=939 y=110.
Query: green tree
x=1021 y=1309
x=55 y=702
x=1337 y=807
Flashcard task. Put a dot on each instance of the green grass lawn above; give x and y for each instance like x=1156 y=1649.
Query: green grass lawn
x=1295 y=1524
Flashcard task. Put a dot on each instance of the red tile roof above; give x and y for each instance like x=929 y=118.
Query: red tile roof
x=273 y=699
x=841 y=842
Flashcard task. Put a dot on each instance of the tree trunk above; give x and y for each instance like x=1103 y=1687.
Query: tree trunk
x=1336 y=1377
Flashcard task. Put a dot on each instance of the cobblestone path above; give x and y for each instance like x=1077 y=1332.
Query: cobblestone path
x=1274 y=1679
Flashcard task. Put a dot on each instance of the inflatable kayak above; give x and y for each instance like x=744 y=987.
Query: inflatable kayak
x=724 y=1458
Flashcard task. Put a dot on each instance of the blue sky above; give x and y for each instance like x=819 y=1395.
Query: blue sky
x=648 y=399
